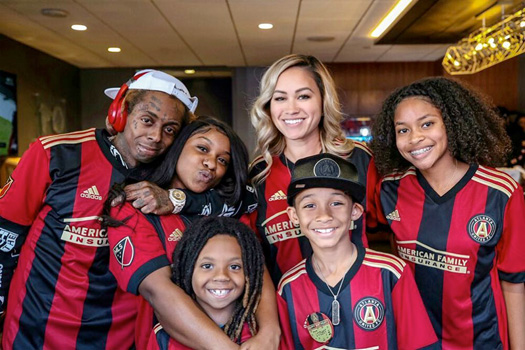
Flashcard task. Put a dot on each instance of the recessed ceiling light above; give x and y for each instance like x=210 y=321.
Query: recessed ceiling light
x=320 y=38
x=265 y=26
x=114 y=49
x=50 y=12
x=79 y=27
x=189 y=71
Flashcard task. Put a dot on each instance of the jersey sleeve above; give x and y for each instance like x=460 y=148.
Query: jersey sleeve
x=414 y=330
x=376 y=220
x=136 y=249
x=287 y=342
x=510 y=262
x=212 y=203
x=21 y=200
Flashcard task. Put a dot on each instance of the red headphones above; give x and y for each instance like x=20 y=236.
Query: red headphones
x=118 y=112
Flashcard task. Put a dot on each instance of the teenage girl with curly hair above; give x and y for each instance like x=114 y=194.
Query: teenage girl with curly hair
x=297 y=114
x=456 y=220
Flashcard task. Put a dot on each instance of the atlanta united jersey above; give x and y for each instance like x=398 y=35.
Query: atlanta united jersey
x=460 y=245
x=143 y=245
x=284 y=244
x=380 y=307
x=160 y=340
x=53 y=252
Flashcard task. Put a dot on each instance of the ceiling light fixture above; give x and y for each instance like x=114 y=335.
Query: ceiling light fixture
x=189 y=71
x=487 y=46
x=390 y=18
x=79 y=27
x=50 y=12
x=320 y=38
x=265 y=26
x=114 y=49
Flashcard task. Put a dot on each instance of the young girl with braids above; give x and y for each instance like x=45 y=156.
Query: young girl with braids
x=206 y=155
x=456 y=220
x=219 y=263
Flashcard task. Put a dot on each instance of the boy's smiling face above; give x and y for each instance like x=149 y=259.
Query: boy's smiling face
x=325 y=215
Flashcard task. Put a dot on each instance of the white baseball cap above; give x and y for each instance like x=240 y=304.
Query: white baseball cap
x=149 y=79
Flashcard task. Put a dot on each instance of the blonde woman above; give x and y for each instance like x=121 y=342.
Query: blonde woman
x=296 y=115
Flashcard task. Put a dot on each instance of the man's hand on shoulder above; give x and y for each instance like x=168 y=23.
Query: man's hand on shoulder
x=149 y=198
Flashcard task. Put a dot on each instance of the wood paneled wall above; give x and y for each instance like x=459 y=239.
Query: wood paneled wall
x=362 y=87
x=499 y=82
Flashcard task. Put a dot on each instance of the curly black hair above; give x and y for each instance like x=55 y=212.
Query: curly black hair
x=476 y=134
x=191 y=244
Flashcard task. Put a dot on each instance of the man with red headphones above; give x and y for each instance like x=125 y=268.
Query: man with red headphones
x=53 y=253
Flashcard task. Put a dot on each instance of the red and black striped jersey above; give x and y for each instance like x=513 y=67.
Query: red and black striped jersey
x=143 y=245
x=54 y=254
x=460 y=245
x=160 y=340
x=284 y=245
x=380 y=306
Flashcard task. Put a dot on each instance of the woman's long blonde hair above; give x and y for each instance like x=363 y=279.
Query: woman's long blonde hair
x=270 y=141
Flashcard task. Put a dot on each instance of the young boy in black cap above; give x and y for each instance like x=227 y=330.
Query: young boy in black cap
x=344 y=296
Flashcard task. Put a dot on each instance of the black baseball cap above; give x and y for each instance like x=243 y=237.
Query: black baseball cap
x=328 y=171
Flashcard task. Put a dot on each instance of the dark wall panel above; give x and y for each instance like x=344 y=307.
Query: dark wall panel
x=44 y=84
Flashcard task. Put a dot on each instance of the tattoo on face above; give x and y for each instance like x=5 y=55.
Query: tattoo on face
x=135 y=124
x=155 y=102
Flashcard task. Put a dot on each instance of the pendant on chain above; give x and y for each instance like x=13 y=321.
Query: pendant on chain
x=335 y=312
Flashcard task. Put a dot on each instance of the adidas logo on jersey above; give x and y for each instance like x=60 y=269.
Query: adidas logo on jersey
x=175 y=236
x=91 y=193
x=394 y=216
x=277 y=196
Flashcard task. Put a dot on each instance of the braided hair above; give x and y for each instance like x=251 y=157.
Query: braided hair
x=191 y=244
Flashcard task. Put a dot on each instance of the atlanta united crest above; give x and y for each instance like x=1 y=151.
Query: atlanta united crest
x=327 y=167
x=369 y=313
x=481 y=228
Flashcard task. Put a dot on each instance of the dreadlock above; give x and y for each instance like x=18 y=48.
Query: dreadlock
x=188 y=249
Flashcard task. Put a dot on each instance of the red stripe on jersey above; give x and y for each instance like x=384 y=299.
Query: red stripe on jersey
x=78 y=258
x=457 y=336
x=367 y=283
x=279 y=229
x=305 y=301
x=410 y=217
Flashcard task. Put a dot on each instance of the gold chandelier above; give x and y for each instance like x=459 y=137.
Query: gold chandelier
x=487 y=46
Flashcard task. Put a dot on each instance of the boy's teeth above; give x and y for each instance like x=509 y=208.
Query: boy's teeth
x=420 y=151
x=292 y=121
x=326 y=230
